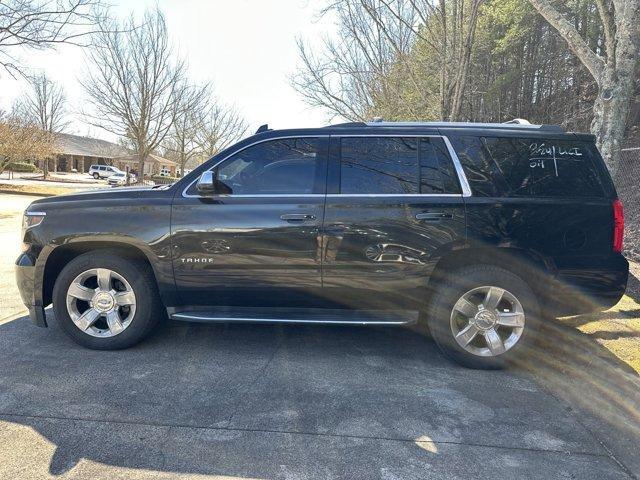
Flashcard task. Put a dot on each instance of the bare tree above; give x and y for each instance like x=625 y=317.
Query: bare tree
x=222 y=127
x=375 y=65
x=134 y=82
x=352 y=76
x=44 y=104
x=190 y=112
x=21 y=141
x=613 y=67
x=43 y=24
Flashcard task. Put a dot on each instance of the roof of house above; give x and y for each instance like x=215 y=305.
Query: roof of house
x=151 y=158
x=90 y=147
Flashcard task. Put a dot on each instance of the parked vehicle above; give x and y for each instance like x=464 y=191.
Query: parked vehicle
x=120 y=178
x=483 y=230
x=103 y=171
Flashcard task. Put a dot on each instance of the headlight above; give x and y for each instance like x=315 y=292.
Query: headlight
x=31 y=219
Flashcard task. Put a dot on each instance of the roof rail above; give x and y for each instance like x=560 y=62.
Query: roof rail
x=347 y=125
x=470 y=125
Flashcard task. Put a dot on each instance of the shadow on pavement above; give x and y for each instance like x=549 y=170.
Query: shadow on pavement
x=258 y=401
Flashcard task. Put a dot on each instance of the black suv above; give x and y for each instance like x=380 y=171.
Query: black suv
x=481 y=229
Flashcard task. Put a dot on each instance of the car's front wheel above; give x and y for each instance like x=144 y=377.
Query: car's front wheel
x=484 y=317
x=96 y=175
x=106 y=301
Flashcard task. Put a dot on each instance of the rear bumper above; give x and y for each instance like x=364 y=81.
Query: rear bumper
x=588 y=285
x=26 y=279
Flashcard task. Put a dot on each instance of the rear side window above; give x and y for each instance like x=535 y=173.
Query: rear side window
x=437 y=173
x=529 y=167
x=396 y=165
x=379 y=165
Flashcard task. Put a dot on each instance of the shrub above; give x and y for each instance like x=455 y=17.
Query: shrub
x=21 y=167
x=164 y=179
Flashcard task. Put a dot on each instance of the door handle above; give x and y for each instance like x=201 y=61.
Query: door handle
x=297 y=217
x=433 y=216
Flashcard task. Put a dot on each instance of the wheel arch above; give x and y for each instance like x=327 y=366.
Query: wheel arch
x=527 y=264
x=63 y=254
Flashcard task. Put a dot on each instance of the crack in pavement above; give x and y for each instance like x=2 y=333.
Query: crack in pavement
x=5 y=415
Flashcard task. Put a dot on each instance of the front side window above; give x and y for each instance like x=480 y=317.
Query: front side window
x=276 y=167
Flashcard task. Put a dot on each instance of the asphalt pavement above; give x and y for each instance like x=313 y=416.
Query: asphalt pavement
x=286 y=402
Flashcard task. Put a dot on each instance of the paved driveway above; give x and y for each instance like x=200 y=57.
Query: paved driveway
x=241 y=401
x=11 y=208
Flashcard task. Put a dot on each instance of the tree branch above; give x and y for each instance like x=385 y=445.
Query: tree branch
x=606 y=16
x=594 y=62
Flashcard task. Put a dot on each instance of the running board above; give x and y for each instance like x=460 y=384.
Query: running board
x=321 y=316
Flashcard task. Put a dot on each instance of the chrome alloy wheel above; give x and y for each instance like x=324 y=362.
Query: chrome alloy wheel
x=487 y=321
x=101 y=302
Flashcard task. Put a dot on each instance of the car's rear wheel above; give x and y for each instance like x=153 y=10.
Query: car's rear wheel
x=484 y=317
x=103 y=300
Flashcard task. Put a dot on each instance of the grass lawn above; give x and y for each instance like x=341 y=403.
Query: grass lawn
x=617 y=330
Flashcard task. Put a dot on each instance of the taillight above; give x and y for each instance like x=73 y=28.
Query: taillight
x=618 y=225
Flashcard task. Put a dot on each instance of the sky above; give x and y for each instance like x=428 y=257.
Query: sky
x=245 y=48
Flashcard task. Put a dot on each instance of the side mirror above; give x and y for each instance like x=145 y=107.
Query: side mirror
x=207 y=183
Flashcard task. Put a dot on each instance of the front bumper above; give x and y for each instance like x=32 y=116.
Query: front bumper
x=26 y=279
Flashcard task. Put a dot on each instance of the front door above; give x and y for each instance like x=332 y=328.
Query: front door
x=394 y=207
x=261 y=237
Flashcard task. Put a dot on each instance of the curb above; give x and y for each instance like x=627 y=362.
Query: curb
x=17 y=192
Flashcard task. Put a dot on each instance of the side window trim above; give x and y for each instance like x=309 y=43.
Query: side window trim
x=462 y=178
x=257 y=195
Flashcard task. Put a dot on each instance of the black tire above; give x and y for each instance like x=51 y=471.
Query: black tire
x=138 y=274
x=447 y=292
x=96 y=175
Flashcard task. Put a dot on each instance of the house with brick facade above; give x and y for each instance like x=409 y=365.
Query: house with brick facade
x=78 y=153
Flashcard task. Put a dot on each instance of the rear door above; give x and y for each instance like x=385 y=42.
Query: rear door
x=551 y=196
x=263 y=235
x=395 y=205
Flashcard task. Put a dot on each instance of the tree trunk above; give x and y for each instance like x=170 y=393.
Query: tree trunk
x=610 y=112
x=614 y=74
x=142 y=158
x=465 y=59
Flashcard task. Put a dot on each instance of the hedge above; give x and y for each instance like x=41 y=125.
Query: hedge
x=164 y=178
x=21 y=167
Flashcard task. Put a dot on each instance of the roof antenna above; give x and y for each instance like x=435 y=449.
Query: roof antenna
x=263 y=128
x=377 y=119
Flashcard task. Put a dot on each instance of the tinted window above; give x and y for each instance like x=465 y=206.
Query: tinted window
x=288 y=166
x=480 y=170
x=379 y=165
x=523 y=167
x=437 y=172
x=545 y=168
